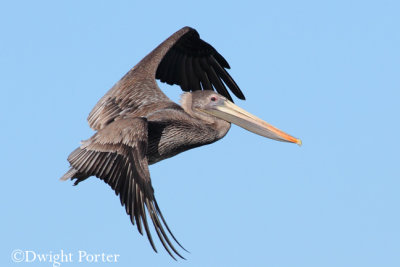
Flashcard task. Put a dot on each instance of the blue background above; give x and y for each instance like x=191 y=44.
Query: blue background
x=325 y=71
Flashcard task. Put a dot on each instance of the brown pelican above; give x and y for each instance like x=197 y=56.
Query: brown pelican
x=138 y=125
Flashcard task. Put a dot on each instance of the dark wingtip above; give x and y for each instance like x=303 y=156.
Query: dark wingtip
x=166 y=225
x=241 y=97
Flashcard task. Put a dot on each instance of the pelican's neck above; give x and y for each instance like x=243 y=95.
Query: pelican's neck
x=219 y=126
x=186 y=103
x=222 y=127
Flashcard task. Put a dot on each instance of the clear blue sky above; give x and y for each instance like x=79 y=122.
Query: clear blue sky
x=325 y=71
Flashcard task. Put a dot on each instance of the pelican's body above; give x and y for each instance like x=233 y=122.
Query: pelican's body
x=164 y=125
x=136 y=124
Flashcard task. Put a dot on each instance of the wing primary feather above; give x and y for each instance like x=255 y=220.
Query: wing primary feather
x=74 y=154
x=146 y=225
x=93 y=163
x=83 y=158
x=172 y=59
x=221 y=72
x=193 y=80
x=157 y=228
x=162 y=229
x=131 y=202
x=205 y=83
x=216 y=82
x=221 y=60
x=105 y=166
x=183 y=76
x=129 y=194
x=137 y=209
x=177 y=77
x=113 y=176
x=166 y=225
x=125 y=185
x=121 y=181
x=207 y=70
x=96 y=168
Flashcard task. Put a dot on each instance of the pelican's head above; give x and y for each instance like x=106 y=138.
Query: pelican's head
x=216 y=105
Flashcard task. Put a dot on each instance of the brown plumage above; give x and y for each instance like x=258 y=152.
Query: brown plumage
x=138 y=125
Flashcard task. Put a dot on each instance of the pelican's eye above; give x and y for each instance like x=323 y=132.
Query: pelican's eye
x=213 y=99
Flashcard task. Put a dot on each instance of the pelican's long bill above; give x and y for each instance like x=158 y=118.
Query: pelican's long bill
x=228 y=111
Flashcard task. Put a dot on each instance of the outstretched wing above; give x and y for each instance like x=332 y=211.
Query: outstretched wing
x=117 y=155
x=195 y=65
x=183 y=59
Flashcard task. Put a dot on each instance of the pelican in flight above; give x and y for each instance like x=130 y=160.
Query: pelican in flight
x=137 y=125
